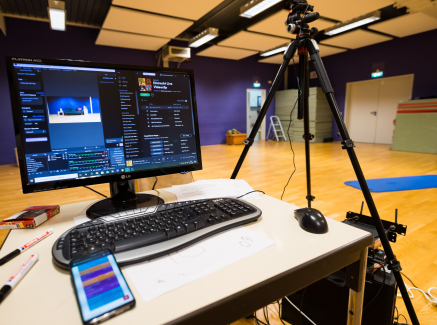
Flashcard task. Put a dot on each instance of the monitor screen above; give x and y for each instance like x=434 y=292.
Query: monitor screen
x=80 y=123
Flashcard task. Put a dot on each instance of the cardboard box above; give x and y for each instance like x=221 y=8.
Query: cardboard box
x=30 y=217
x=233 y=139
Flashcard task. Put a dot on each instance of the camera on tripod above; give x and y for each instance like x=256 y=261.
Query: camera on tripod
x=299 y=17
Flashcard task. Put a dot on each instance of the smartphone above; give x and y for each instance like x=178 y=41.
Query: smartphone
x=101 y=290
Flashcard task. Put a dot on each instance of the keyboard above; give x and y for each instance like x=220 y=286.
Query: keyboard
x=142 y=234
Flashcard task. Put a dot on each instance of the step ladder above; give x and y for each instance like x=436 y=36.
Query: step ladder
x=278 y=132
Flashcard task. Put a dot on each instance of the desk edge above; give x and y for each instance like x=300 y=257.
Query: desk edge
x=247 y=301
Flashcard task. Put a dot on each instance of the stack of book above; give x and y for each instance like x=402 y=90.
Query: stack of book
x=319 y=113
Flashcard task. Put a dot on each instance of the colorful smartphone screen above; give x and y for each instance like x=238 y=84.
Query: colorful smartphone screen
x=100 y=286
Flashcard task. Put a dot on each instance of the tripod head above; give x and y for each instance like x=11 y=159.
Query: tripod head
x=301 y=14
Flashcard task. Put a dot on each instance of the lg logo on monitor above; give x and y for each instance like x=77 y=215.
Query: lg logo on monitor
x=125 y=176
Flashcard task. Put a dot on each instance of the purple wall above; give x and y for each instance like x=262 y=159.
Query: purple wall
x=408 y=55
x=220 y=84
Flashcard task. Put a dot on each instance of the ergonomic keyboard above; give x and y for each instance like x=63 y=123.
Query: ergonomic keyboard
x=142 y=234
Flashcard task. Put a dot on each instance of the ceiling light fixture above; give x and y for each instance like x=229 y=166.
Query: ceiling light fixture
x=275 y=50
x=254 y=7
x=203 y=37
x=350 y=24
x=57 y=14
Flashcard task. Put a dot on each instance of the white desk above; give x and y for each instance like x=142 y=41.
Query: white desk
x=46 y=294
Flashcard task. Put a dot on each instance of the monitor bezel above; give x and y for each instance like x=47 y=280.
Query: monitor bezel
x=106 y=178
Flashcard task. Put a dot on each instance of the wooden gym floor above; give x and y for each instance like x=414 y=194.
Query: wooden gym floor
x=268 y=167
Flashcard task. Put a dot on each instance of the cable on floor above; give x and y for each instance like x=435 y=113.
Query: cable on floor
x=300 y=311
x=95 y=191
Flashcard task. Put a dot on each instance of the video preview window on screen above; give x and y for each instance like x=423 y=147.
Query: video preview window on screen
x=87 y=122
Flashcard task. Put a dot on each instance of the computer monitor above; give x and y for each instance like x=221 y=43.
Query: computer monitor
x=80 y=123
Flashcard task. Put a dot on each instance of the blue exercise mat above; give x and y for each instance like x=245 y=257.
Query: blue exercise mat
x=398 y=183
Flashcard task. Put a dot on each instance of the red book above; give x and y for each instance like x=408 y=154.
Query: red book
x=30 y=217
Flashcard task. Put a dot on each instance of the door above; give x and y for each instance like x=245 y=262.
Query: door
x=371 y=107
x=254 y=101
x=362 y=98
x=391 y=92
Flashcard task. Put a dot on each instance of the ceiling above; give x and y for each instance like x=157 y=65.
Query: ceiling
x=133 y=41
x=150 y=24
x=342 y=10
x=90 y=12
x=138 y=22
x=253 y=41
x=356 y=39
x=406 y=25
x=189 y=9
x=224 y=52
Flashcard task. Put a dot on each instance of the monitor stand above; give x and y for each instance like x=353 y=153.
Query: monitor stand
x=122 y=198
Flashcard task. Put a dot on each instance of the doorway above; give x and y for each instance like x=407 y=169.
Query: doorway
x=371 y=107
x=254 y=101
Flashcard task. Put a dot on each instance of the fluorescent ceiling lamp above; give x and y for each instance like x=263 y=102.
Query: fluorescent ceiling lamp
x=203 y=37
x=57 y=15
x=353 y=23
x=254 y=7
x=275 y=50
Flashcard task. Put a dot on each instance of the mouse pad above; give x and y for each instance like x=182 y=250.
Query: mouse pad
x=398 y=183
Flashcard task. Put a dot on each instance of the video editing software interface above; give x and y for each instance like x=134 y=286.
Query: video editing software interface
x=80 y=122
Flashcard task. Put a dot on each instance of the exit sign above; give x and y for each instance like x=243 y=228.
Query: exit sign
x=377 y=74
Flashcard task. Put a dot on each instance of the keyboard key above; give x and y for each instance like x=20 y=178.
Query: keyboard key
x=171 y=233
x=139 y=241
x=180 y=229
x=77 y=254
x=93 y=249
x=60 y=244
x=190 y=227
x=212 y=221
x=199 y=224
x=106 y=246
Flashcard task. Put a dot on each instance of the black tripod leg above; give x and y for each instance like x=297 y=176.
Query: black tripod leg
x=348 y=144
x=249 y=141
x=303 y=113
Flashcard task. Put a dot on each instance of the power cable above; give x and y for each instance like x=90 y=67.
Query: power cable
x=95 y=191
x=251 y=192
x=156 y=181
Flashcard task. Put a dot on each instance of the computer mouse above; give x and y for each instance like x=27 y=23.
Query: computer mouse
x=311 y=220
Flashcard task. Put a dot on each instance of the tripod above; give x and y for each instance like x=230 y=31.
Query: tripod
x=297 y=22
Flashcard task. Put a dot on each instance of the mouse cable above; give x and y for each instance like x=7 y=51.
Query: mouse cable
x=291 y=147
x=95 y=191
x=288 y=129
x=251 y=192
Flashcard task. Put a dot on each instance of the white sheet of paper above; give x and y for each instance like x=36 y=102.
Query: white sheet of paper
x=158 y=276
x=205 y=189
x=81 y=219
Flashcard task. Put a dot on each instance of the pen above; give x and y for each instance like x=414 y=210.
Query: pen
x=21 y=249
x=13 y=281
